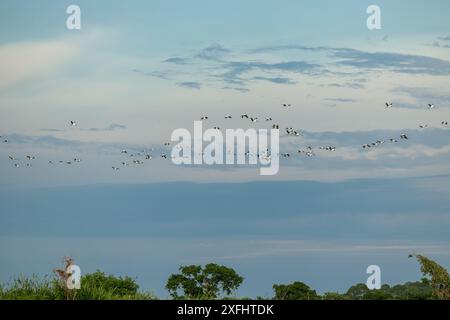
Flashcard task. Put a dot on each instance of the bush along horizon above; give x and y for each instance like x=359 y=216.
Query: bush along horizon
x=213 y=281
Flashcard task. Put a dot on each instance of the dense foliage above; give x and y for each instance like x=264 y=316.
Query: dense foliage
x=195 y=282
x=215 y=281
x=439 y=278
x=94 y=286
x=294 y=291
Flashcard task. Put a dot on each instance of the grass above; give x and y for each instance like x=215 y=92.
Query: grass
x=96 y=286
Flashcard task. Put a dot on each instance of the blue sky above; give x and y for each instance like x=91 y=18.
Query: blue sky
x=137 y=71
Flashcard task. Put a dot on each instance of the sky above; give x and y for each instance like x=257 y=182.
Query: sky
x=137 y=71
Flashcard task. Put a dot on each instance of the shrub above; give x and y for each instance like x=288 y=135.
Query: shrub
x=95 y=286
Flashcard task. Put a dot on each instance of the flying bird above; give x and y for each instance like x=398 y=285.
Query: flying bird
x=73 y=123
x=291 y=131
x=308 y=153
x=430 y=106
x=389 y=105
x=330 y=148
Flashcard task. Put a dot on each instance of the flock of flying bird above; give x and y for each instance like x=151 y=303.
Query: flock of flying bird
x=138 y=158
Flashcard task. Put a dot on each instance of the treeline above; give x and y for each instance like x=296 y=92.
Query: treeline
x=214 y=281
x=420 y=290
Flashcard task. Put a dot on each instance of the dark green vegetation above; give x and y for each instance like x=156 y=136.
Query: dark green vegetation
x=94 y=286
x=195 y=282
x=219 y=282
x=294 y=291
x=421 y=290
x=439 y=277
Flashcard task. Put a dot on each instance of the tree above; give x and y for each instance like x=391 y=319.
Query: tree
x=419 y=290
x=357 y=291
x=437 y=275
x=334 y=296
x=379 y=294
x=294 y=291
x=209 y=282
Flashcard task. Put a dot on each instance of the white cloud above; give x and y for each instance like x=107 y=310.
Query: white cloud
x=412 y=152
x=31 y=60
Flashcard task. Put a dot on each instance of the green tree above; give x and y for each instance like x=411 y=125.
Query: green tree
x=437 y=275
x=419 y=290
x=195 y=282
x=357 y=291
x=334 y=296
x=380 y=294
x=294 y=291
